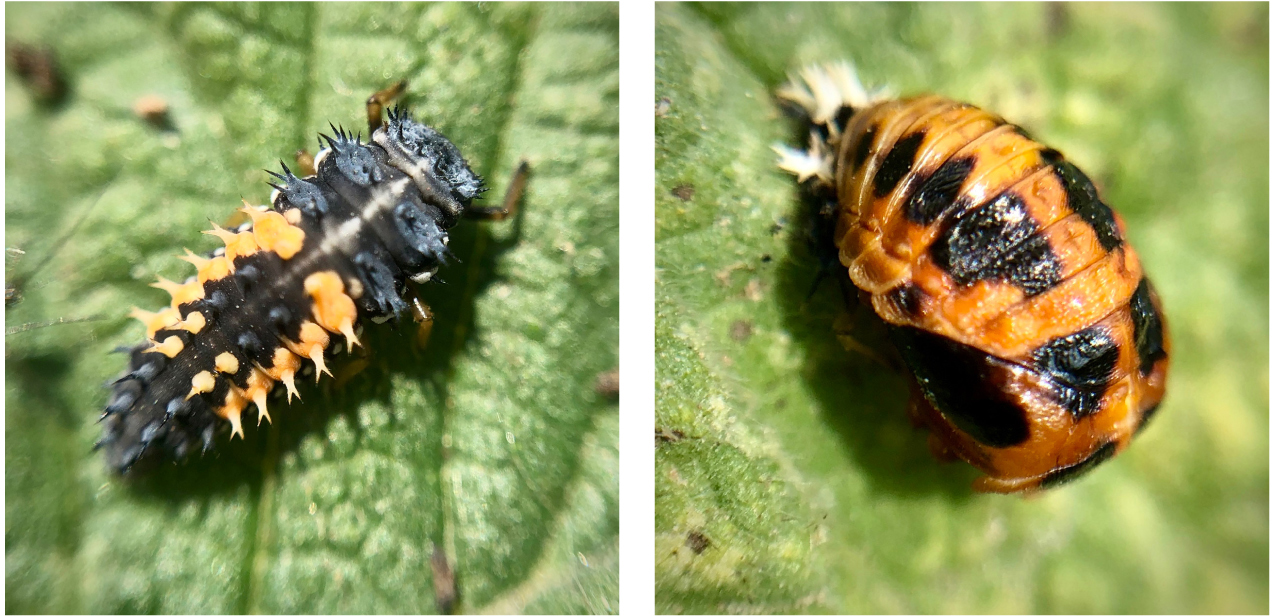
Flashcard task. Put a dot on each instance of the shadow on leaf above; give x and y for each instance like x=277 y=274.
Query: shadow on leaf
x=864 y=399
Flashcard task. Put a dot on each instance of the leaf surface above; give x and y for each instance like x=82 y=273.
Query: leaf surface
x=489 y=445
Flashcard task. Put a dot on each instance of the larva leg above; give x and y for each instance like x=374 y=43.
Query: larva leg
x=512 y=197
x=859 y=330
x=305 y=162
x=377 y=102
x=423 y=316
x=351 y=368
x=845 y=327
x=375 y=119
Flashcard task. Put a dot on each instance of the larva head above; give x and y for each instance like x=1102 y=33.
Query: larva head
x=431 y=159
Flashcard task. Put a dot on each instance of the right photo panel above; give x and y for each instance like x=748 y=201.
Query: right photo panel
x=961 y=308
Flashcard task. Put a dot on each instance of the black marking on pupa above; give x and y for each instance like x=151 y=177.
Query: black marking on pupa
x=1078 y=369
x=966 y=385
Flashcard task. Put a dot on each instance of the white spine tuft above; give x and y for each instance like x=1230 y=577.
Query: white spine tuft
x=823 y=89
x=817 y=162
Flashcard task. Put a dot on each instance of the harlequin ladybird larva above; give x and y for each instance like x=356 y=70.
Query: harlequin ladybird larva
x=1037 y=344
x=334 y=246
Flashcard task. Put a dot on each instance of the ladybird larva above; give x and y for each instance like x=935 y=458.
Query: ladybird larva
x=332 y=247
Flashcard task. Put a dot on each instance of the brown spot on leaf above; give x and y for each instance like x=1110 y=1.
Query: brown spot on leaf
x=153 y=110
x=607 y=384
x=38 y=67
x=444 y=591
x=663 y=435
x=1057 y=19
x=724 y=274
x=697 y=541
x=662 y=107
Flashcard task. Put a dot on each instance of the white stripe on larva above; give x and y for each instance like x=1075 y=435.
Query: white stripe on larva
x=383 y=198
x=340 y=242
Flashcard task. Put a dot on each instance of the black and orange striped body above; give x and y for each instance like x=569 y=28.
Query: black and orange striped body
x=1007 y=284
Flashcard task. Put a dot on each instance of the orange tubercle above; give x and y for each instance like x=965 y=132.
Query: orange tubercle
x=232 y=410
x=155 y=321
x=258 y=386
x=193 y=323
x=181 y=293
x=236 y=244
x=215 y=269
x=169 y=347
x=227 y=363
x=313 y=339
x=193 y=259
x=333 y=310
x=272 y=232
x=201 y=383
x=285 y=365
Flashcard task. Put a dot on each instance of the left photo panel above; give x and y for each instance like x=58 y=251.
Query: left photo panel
x=311 y=308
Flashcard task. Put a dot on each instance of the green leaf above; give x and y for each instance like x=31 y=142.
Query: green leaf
x=491 y=444
x=794 y=458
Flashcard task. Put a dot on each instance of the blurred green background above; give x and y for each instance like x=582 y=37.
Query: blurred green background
x=491 y=445
x=788 y=478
